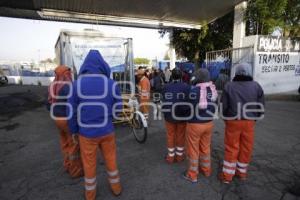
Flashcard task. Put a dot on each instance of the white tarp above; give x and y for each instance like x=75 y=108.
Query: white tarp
x=277 y=64
x=30 y=80
x=112 y=49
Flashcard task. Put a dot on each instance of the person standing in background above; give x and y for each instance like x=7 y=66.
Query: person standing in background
x=240 y=121
x=162 y=75
x=167 y=75
x=94 y=102
x=157 y=86
x=144 y=92
x=222 y=79
x=148 y=74
x=59 y=90
x=185 y=77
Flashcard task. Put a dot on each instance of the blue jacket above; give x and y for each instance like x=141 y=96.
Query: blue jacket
x=174 y=92
x=97 y=88
x=242 y=92
x=203 y=115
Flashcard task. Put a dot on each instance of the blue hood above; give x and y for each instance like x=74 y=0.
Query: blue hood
x=94 y=64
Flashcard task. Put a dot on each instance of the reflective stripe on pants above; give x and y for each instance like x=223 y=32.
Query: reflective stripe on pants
x=239 y=140
x=175 y=137
x=198 y=141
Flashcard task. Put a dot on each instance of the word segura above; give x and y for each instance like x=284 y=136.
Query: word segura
x=278 y=68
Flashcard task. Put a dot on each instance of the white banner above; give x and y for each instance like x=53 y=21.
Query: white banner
x=112 y=49
x=277 y=64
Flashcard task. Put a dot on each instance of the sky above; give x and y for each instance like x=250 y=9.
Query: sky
x=27 y=40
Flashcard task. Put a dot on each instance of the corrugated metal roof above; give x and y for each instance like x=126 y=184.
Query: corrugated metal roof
x=179 y=11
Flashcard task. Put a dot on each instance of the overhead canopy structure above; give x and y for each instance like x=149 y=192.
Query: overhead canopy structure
x=134 y=13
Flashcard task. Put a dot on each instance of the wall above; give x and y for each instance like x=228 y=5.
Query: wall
x=276 y=62
x=30 y=80
x=249 y=40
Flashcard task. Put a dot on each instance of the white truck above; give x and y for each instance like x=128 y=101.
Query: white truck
x=71 y=49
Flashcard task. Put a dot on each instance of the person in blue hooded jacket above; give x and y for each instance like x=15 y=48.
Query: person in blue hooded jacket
x=95 y=100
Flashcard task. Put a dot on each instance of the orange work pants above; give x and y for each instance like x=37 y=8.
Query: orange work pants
x=89 y=147
x=144 y=106
x=239 y=140
x=198 y=142
x=71 y=153
x=175 y=141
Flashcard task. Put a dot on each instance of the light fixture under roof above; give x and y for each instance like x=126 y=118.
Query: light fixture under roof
x=62 y=15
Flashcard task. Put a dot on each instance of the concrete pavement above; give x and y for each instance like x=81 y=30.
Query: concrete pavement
x=31 y=163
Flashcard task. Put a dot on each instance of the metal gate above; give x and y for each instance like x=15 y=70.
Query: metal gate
x=220 y=63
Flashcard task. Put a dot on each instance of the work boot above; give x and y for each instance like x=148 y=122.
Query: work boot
x=187 y=177
x=179 y=158
x=116 y=189
x=170 y=159
x=242 y=177
x=223 y=180
x=206 y=174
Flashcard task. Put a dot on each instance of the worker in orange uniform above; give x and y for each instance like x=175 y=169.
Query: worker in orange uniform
x=94 y=102
x=59 y=89
x=240 y=121
x=175 y=92
x=202 y=98
x=144 y=92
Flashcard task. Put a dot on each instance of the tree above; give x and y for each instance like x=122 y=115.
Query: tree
x=47 y=60
x=55 y=60
x=141 y=61
x=262 y=16
x=193 y=44
x=167 y=57
x=292 y=18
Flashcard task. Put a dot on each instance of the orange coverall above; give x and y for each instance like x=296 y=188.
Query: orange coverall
x=89 y=147
x=198 y=140
x=144 y=91
x=239 y=140
x=72 y=162
x=175 y=141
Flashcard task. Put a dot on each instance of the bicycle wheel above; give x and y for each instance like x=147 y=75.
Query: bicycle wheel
x=139 y=129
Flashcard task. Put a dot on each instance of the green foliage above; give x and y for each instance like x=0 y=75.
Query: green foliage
x=193 y=44
x=140 y=61
x=263 y=16
x=167 y=57
x=292 y=18
x=55 y=60
x=48 y=60
x=187 y=42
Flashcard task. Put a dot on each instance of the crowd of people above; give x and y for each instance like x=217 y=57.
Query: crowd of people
x=189 y=105
x=190 y=108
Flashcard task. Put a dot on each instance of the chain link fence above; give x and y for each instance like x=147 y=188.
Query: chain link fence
x=220 y=63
